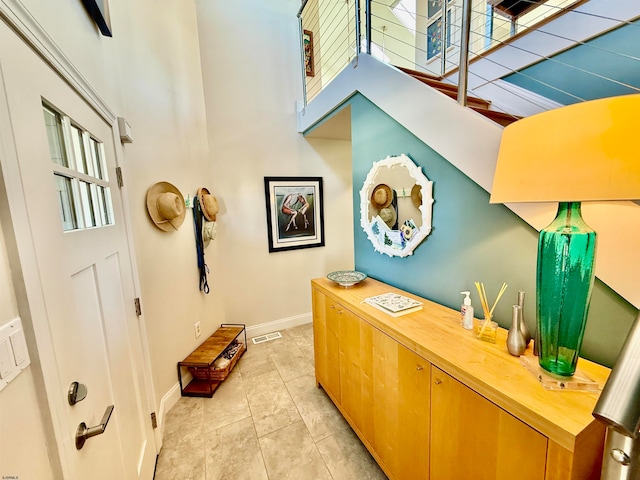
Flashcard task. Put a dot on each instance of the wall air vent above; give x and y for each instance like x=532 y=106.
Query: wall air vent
x=266 y=338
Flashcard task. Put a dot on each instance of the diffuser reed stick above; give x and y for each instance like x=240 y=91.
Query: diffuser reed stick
x=502 y=289
x=488 y=313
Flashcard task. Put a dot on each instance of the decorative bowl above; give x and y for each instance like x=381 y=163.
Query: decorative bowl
x=347 y=278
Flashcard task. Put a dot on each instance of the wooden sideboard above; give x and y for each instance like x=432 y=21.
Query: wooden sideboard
x=431 y=401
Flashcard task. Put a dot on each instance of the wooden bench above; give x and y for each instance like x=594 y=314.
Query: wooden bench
x=205 y=378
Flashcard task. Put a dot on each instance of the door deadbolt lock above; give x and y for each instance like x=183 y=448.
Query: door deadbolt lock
x=83 y=432
x=77 y=392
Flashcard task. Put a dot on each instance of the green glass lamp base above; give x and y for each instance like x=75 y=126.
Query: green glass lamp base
x=566 y=253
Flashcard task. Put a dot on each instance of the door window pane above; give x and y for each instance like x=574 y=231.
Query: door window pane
x=97 y=159
x=66 y=203
x=104 y=200
x=53 y=125
x=87 y=204
x=78 y=150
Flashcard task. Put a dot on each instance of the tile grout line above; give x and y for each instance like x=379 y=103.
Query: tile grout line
x=264 y=463
x=269 y=355
x=299 y=413
x=204 y=440
x=315 y=443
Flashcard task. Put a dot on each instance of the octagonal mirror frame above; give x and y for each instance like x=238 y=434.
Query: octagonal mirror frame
x=370 y=221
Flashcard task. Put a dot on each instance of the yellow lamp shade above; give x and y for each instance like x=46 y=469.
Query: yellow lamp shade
x=587 y=151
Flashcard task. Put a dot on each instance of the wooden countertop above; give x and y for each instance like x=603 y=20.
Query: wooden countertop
x=435 y=334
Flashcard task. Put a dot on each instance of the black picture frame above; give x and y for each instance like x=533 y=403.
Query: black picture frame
x=98 y=10
x=295 y=217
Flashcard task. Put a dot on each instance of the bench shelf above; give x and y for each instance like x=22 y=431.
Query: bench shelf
x=205 y=379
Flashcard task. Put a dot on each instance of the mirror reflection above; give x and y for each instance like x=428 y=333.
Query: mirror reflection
x=396 y=203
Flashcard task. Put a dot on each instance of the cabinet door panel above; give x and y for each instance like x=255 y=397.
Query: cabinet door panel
x=355 y=372
x=414 y=408
x=326 y=344
x=473 y=438
x=401 y=382
x=385 y=403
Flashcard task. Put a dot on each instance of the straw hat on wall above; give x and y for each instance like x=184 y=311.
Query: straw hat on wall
x=381 y=197
x=208 y=204
x=165 y=205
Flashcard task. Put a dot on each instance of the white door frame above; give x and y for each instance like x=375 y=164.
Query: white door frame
x=28 y=290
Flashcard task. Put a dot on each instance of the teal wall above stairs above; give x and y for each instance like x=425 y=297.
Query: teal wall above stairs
x=606 y=66
x=471 y=239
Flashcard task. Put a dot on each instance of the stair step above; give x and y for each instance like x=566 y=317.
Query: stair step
x=478 y=104
x=448 y=89
x=501 y=118
x=415 y=73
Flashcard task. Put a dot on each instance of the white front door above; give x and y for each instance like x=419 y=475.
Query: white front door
x=72 y=240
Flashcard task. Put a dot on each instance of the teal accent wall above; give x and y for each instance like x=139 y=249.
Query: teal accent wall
x=605 y=66
x=471 y=240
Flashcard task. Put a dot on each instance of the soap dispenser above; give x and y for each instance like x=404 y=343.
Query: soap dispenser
x=466 y=311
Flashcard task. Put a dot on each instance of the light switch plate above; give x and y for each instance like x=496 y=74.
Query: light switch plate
x=7 y=365
x=14 y=354
x=19 y=346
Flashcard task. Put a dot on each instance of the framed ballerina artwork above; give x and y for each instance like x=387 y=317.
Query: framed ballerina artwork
x=294 y=212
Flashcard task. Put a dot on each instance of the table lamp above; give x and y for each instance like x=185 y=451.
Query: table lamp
x=588 y=151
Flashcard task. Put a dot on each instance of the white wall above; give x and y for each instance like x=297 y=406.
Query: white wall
x=250 y=53
x=162 y=99
x=20 y=413
x=150 y=73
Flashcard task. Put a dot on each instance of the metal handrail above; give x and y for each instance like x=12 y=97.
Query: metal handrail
x=302 y=7
x=464 y=51
x=339 y=40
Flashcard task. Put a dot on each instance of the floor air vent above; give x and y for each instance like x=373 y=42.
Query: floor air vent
x=266 y=338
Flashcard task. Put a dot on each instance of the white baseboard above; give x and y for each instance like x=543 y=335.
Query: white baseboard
x=281 y=324
x=168 y=400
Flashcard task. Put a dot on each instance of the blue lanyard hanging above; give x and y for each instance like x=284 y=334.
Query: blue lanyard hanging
x=197 y=224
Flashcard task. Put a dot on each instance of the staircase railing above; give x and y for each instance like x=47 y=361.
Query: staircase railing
x=330 y=37
x=412 y=34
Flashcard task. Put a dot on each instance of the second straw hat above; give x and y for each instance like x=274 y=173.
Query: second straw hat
x=208 y=204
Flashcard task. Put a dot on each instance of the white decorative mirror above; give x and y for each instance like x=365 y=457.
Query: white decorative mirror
x=395 y=206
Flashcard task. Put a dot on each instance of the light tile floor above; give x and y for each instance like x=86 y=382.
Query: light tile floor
x=267 y=420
